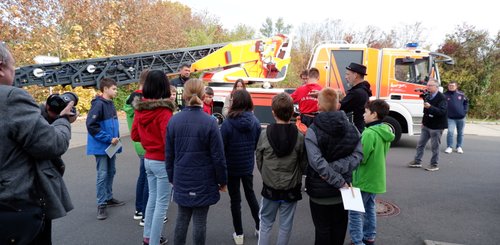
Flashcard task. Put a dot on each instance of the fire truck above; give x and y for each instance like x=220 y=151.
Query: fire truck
x=394 y=74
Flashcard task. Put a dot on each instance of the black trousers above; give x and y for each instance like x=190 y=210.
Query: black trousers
x=233 y=187
x=330 y=223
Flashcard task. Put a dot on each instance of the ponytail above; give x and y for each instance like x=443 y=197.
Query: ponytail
x=193 y=91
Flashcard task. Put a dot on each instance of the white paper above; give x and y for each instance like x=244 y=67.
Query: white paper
x=112 y=149
x=352 y=202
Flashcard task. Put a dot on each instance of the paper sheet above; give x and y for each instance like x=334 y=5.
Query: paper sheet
x=112 y=149
x=352 y=202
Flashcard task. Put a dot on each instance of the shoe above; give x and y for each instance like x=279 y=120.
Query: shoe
x=141 y=223
x=367 y=242
x=163 y=240
x=114 y=203
x=256 y=233
x=137 y=215
x=165 y=220
x=238 y=239
x=448 y=150
x=414 y=164
x=460 y=150
x=101 y=212
x=432 y=167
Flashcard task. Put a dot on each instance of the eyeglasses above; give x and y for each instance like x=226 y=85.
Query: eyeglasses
x=431 y=85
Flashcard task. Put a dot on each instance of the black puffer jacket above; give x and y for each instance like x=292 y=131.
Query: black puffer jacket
x=336 y=138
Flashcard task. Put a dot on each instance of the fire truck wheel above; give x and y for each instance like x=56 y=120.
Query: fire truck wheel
x=395 y=127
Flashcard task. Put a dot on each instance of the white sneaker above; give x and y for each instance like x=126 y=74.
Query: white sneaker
x=238 y=239
x=459 y=150
x=256 y=233
x=448 y=150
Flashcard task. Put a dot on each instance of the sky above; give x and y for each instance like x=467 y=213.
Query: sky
x=438 y=17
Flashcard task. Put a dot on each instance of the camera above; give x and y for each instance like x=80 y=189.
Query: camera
x=57 y=102
x=424 y=94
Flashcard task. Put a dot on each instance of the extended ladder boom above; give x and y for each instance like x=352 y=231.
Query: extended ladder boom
x=123 y=69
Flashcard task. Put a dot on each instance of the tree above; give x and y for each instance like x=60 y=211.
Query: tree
x=476 y=69
x=268 y=29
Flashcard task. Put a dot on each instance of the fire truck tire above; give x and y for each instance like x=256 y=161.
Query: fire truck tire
x=395 y=127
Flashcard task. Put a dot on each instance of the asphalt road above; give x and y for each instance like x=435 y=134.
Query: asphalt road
x=460 y=203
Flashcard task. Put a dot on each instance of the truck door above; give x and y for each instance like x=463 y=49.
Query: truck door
x=340 y=59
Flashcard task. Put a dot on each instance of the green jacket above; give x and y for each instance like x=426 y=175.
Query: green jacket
x=370 y=174
x=129 y=110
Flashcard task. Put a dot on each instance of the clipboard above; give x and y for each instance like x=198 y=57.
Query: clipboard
x=352 y=199
x=112 y=149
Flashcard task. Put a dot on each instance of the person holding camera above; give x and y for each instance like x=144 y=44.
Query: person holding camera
x=433 y=123
x=32 y=191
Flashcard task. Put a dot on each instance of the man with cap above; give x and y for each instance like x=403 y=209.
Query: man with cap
x=357 y=95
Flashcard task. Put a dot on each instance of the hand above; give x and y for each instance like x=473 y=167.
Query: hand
x=223 y=188
x=345 y=186
x=66 y=112
x=114 y=141
x=427 y=105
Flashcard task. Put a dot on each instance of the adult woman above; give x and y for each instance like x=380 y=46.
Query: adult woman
x=240 y=133
x=152 y=115
x=238 y=85
x=195 y=163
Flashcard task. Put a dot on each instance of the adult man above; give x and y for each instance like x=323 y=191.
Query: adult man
x=306 y=96
x=29 y=180
x=433 y=124
x=458 y=105
x=179 y=81
x=357 y=95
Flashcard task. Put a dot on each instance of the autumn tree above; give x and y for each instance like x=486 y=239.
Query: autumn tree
x=476 y=69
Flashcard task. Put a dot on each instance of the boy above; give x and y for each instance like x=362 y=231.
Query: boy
x=370 y=175
x=281 y=160
x=208 y=100
x=102 y=126
x=334 y=149
x=306 y=97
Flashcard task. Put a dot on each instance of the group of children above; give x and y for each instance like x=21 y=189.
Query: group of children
x=189 y=155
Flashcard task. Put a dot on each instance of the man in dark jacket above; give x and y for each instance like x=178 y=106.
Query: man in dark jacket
x=458 y=105
x=29 y=180
x=358 y=94
x=433 y=124
x=179 y=82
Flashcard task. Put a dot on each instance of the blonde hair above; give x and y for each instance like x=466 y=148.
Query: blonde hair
x=328 y=99
x=193 y=92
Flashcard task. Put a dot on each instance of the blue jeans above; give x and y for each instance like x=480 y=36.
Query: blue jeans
x=184 y=215
x=452 y=124
x=159 y=196
x=141 y=189
x=268 y=211
x=105 y=173
x=435 y=136
x=363 y=226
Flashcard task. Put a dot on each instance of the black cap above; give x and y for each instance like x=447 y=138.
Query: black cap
x=361 y=69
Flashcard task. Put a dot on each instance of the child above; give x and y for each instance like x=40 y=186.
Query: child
x=370 y=175
x=208 y=100
x=141 y=190
x=281 y=160
x=102 y=126
x=150 y=128
x=333 y=149
x=194 y=149
x=240 y=133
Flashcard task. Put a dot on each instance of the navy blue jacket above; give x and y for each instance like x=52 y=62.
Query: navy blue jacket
x=195 y=158
x=102 y=126
x=240 y=136
x=458 y=104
